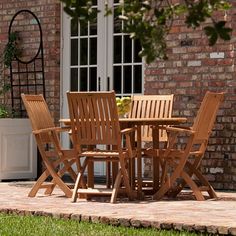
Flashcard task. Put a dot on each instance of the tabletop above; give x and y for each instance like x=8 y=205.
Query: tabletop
x=149 y=121
x=143 y=121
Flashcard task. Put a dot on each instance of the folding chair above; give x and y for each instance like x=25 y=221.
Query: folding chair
x=182 y=161
x=96 y=135
x=151 y=106
x=57 y=161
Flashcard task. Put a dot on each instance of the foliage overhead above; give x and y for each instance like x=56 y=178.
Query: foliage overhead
x=150 y=21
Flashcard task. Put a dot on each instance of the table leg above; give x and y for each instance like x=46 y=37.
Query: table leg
x=156 y=160
x=115 y=170
x=108 y=174
x=139 y=162
x=90 y=177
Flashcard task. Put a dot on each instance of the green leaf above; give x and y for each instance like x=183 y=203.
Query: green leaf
x=220 y=24
x=212 y=35
x=209 y=30
x=212 y=39
x=225 y=33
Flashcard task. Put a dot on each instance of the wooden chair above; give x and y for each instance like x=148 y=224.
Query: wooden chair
x=182 y=162
x=52 y=154
x=97 y=136
x=150 y=106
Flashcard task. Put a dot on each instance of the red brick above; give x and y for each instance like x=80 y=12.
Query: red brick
x=172 y=76
x=214 y=75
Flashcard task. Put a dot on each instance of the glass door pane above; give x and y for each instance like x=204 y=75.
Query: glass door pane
x=104 y=58
x=83 y=65
x=126 y=73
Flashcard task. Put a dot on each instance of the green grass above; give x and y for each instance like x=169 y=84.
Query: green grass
x=11 y=224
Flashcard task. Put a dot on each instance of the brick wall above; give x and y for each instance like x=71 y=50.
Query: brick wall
x=192 y=69
x=48 y=12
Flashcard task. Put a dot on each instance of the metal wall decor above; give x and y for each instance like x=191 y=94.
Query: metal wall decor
x=27 y=68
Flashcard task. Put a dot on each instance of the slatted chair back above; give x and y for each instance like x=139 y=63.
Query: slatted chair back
x=150 y=106
x=206 y=116
x=39 y=114
x=94 y=118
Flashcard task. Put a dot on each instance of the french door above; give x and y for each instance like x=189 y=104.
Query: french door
x=98 y=57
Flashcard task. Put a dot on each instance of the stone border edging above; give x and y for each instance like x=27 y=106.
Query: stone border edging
x=212 y=229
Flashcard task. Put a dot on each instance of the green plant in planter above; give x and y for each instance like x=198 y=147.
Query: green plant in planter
x=5 y=111
x=10 y=51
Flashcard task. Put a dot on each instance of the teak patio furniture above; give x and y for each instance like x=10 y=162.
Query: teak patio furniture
x=183 y=164
x=139 y=123
x=151 y=106
x=52 y=154
x=96 y=135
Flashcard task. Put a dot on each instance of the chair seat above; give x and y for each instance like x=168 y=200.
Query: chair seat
x=105 y=153
x=97 y=191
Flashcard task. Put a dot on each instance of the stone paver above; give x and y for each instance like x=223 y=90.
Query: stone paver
x=212 y=216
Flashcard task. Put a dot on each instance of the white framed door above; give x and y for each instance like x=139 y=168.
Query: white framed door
x=99 y=57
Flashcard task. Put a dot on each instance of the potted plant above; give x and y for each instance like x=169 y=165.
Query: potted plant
x=18 y=150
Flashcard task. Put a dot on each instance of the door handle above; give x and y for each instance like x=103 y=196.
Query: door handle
x=99 y=83
x=108 y=83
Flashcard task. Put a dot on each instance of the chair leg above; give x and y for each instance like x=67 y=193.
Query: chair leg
x=116 y=187
x=57 y=179
x=79 y=180
x=38 y=184
x=70 y=170
x=164 y=172
x=126 y=179
x=66 y=168
x=76 y=187
x=168 y=183
x=205 y=182
x=79 y=169
x=197 y=192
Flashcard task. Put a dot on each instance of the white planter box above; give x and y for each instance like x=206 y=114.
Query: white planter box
x=18 y=151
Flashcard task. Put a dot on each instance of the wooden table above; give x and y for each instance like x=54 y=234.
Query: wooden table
x=139 y=122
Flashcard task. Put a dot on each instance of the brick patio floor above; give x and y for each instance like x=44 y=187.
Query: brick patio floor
x=213 y=216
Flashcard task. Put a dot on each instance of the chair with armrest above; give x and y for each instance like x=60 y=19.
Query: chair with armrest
x=151 y=106
x=182 y=160
x=96 y=136
x=57 y=161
